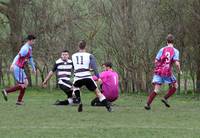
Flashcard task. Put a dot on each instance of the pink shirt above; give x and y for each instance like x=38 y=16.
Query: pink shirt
x=110 y=84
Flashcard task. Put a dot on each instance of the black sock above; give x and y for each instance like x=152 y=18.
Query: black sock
x=78 y=96
x=105 y=102
x=65 y=102
x=96 y=102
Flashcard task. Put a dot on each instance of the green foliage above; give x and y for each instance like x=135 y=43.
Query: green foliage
x=128 y=33
x=4 y=27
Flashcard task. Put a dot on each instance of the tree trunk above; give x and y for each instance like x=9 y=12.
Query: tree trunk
x=198 y=66
x=179 y=84
x=185 y=85
x=12 y=10
x=1 y=72
x=7 y=72
x=15 y=22
x=198 y=82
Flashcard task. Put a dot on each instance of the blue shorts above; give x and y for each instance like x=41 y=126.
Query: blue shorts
x=19 y=74
x=161 y=80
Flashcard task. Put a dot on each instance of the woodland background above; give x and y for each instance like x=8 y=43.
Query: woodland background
x=127 y=32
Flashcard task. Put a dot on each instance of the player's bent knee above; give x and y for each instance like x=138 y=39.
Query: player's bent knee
x=22 y=86
x=76 y=89
x=175 y=85
x=156 y=91
x=25 y=83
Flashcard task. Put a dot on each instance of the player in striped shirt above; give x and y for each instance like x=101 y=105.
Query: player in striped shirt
x=83 y=62
x=63 y=68
x=163 y=72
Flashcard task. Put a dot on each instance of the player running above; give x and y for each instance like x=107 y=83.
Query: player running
x=24 y=55
x=83 y=62
x=163 y=72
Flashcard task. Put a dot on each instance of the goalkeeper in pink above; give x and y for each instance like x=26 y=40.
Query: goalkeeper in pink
x=163 y=72
x=109 y=84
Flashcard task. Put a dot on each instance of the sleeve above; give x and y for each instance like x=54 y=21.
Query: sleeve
x=159 y=54
x=23 y=51
x=32 y=63
x=176 y=56
x=93 y=65
x=72 y=66
x=54 y=67
x=95 y=77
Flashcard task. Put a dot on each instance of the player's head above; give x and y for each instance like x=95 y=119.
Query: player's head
x=31 y=39
x=82 y=44
x=65 y=54
x=107 y=65
x=170 y=39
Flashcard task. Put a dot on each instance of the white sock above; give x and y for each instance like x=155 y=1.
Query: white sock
x=70 y=100
x=101 y=97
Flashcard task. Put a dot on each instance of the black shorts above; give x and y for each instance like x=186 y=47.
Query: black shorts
x=88 y=82
x=64 y=87
x=67 y=90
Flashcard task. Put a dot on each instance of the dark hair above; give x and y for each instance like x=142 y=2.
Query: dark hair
x=65 y=51
x=108 y=64
x=82 y=44
x=170 y=38
x=30 y=37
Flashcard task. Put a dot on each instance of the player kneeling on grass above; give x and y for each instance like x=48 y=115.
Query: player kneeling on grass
x=163 y=72
x=109 y=84
x=63 y=68
x=24 y=55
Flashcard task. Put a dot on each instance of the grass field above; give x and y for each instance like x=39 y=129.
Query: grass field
x=38 y=118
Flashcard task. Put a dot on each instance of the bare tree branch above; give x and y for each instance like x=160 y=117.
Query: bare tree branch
x=4 y=8
x=196 y=15
x=4 y=3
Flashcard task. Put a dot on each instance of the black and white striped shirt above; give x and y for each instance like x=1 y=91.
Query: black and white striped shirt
x=83 y=62
x=63 y=70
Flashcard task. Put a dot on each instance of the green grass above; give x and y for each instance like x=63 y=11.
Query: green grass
x=38 y=118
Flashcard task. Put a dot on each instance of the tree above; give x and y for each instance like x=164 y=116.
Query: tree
x=12 y=10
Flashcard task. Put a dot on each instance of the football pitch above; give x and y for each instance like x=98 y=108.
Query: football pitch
x=38 y=118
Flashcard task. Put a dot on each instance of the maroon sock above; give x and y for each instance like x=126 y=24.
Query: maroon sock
x=150 y=98
x=13 y=89
x=170 y=92
x=21 y=94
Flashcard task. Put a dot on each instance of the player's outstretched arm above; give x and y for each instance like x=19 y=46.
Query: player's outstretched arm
x=44 y=83
x=32 y=63
x=93 y=65
x=178 y=66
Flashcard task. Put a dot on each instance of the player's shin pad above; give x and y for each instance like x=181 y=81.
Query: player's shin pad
x=101 y=97
x=70 y=100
